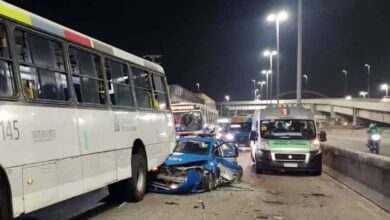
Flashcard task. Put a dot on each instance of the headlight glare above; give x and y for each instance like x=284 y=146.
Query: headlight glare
x=315 y=145
x=375 y=137
x=229 y=136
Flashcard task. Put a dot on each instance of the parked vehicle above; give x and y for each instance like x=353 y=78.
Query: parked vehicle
x=288 y=140
x=196 y=164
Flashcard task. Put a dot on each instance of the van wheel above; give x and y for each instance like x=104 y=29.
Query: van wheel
x=5 y=206
x=259 y=167
x=132 y=189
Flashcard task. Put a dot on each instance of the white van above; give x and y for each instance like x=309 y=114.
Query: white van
x=288 y=139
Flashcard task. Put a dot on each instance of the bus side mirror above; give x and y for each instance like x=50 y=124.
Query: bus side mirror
x=253 y=135
x=322 y=136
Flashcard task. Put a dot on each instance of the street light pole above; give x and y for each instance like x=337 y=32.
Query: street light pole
x=198 y=85
x=306 y=78
x=269 y=53
x=261 y=88
x=368 y=79
x=299 y=55
x=256 y=90
x=254 y=85
x=277 y=18
x=227 y=98
x=345 y=82
x=267 y=72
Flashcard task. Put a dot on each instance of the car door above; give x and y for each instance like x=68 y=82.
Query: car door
x=226 y=156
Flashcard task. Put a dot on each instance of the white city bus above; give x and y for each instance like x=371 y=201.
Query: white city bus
x=194 y=118
x=76 y=115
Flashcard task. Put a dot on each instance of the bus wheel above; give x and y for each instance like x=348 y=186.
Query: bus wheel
x=132 y=189
x=137 y=183
x=5 y=206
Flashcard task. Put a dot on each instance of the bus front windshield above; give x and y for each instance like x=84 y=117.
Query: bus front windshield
x=239 y=127
x=287 y=129
x=188 y=121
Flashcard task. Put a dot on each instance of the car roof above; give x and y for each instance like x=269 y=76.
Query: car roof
x=200 y=139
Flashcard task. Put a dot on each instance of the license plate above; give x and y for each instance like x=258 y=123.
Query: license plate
x=290 y=165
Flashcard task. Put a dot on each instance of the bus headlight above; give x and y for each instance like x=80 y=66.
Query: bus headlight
x=229 y=136
x=315 y=145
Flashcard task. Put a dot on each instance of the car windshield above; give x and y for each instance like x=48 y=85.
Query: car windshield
x=287 y=129
x=188 y=121
x=192 y=147
x=246 y=127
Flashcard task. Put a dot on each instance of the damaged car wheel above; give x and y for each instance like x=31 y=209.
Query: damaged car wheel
x=209 y=182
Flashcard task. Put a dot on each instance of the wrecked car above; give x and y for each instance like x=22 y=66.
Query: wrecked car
x=196 y=164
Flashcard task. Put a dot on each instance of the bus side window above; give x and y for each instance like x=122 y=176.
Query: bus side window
x=143 y=92
x=119 y=86
x=7 y=80
x=87 y=77
x=42 y=69
x=160 y=93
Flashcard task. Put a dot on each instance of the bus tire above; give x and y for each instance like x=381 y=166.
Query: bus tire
x=137 y=183
x=5 y=201
x=132 y=189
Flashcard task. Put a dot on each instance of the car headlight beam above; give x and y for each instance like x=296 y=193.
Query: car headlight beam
x=375 y=137
x=229 y=136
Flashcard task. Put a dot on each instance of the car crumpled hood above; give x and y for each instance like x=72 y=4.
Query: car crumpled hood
x=180 y=159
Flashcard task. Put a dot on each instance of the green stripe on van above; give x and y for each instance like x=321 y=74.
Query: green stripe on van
x=301 y=144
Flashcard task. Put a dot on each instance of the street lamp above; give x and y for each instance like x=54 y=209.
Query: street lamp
x=306 y=78
x=363 y=93
x=266 y=73
x=277 y=18
x=254 y=85
x=227 y=98
x=261 y=87
x=256 y=90
x=198 y=86
x=270 y=54
x=368 y=78
x=345 y=82
x=386 y=88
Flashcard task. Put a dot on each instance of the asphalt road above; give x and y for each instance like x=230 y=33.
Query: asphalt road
x=272 y=196
x=356 y=140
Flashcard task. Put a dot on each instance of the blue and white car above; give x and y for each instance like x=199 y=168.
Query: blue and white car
x=197 y=164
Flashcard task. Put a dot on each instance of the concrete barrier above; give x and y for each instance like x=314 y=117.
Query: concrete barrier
x=368 y=174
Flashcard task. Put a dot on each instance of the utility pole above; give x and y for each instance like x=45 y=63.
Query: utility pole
x=299 y=55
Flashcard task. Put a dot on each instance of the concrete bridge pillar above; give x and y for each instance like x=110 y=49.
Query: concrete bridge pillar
x=313 y=108
x=354 y=115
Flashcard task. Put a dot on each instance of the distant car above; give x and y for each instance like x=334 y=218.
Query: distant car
x=385 y=99
x=196 y=164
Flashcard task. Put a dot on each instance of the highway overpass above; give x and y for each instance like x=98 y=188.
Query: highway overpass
x=369 y=109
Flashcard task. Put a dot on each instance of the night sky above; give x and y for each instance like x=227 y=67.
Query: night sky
x=219 y=43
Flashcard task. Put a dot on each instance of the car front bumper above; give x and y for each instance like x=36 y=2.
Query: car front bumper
x=268 y=160
x=191 y=184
